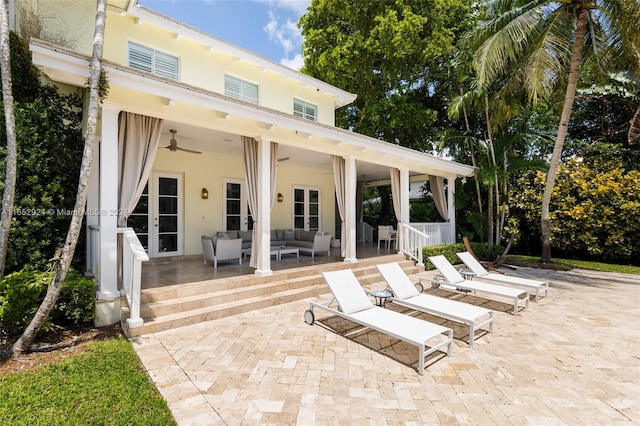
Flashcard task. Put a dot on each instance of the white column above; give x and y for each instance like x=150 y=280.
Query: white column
x=107 y=274
x=263 y=224
x=451 y=207
x=350 y=220
x=404 y=207
x=92 y=248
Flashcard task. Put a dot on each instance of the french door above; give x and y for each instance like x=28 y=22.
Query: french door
x=158 y=217
x=236 y=214
x=306 y=208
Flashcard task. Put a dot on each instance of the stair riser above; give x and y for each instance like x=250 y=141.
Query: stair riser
x=256 y=292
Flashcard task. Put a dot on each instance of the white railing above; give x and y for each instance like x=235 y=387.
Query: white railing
x=93 y=249
x=365 y=232
x=439 y=232
x=133 y=255
x=411 y=241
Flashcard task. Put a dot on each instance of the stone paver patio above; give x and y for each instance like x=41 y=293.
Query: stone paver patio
x=574 y=358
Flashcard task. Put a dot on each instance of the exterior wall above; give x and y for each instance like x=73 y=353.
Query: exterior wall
x=208 y=170
x=70 y=23
x=201 y=68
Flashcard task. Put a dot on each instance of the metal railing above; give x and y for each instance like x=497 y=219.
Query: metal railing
x=133 y=255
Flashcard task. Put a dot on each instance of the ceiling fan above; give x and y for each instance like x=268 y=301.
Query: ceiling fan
x=282 y=159
x=173 y=144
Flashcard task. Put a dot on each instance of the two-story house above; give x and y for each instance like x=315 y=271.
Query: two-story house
x=194 y=130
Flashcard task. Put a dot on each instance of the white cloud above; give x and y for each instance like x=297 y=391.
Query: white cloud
x=286 y=33
x=298 y=7
x=295 y=63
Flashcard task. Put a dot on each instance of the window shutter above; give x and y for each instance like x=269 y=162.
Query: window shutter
x=298 y=108
x=305 y=110
x=232 y=86
x=310 y=112
x=140 y=57
x=250 y=92
x=166 y=66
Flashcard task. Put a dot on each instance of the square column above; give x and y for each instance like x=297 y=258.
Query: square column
x=351 y=221
x=107 y=269
x=405 y=216
x=263 y=221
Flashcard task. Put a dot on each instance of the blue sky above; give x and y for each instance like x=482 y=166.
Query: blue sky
x=266 y=27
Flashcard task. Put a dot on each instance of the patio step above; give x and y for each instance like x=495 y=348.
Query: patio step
x=175 y=306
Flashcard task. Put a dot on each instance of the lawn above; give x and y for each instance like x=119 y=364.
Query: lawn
x=567 y=264
x=106 y=384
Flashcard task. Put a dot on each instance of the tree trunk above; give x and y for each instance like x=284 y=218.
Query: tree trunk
x=8 y=195
x=572 y=84
x=63 y=259
x=492 y=157
x=473 y=157
x=634 y=128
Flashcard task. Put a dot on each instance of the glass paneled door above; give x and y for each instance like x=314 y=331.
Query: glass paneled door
x=236 y=214
x=306 y=208
x=161 y=207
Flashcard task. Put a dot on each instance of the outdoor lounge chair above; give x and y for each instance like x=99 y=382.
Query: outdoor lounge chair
x=477 y=268
x=406 y=294
x=452 y=278
x=354 y=305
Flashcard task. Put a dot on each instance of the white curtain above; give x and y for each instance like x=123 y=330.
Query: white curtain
x=339 y=182
x=359 y=201
x=395 y=192
x=437 y=192
x=250 y=152
x=138 y=139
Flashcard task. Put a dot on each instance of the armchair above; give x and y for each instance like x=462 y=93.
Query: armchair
x=224 y=250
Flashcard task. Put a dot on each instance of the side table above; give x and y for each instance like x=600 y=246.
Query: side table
x=381 y=297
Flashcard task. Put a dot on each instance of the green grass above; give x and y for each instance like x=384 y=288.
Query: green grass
x=567 y=264
x=106 y=385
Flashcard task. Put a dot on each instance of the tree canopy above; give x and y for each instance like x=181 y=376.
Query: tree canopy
x=386 y=52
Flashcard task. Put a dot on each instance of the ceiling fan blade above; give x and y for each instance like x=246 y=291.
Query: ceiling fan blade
x=188 y=150
x=283 y=159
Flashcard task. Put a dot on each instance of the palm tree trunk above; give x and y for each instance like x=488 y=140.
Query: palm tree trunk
x=8 y=195
x=63 y=260
x=492 y=157
x=472 y=152
x=572 y=84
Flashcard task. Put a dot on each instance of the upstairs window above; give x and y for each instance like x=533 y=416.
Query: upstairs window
x=146 y=59
x=240 y=89
x=305 y=110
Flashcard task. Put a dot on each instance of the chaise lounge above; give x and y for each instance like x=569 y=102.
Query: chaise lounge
x=452 y=278
x=406 y=294
x=477 y=268
x=354 y=305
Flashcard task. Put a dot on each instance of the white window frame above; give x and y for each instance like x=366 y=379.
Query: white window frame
x=243 y=90
x=156 y=61
x=305 y=109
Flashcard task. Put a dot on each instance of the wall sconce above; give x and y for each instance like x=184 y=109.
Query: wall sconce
x=280 y=197
x=205 y=194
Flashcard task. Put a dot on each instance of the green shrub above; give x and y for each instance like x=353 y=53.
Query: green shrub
x=20 y=295
x=449 y=251
x=22 y=292
x=76 y=302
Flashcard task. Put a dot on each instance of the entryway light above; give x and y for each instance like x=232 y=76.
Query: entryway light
x=280 y=197
x=205 y=194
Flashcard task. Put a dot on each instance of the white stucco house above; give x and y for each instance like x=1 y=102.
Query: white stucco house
x=263 y=134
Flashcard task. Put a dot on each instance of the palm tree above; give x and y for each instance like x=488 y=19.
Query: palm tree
x=12 y=150
x=542 y=45
x=62 y=262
